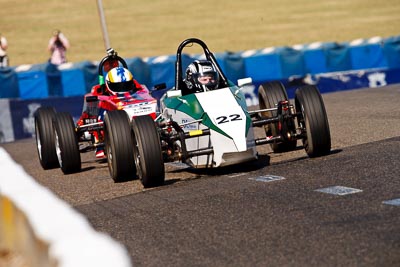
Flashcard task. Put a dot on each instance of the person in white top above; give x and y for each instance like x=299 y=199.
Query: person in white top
x=58 y=45
x=4 y=62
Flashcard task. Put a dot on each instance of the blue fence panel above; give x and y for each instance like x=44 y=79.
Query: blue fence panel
x=391 y=48
x=140 y=70
x=23 y=111
x=54 y=80
x=337 y=57
x=263 y=66
x=367 y=56
x=73 y=82
x=9 y=87
x=44 y=80
x=233 y=66
x=32 y=84
x=163 y=71
x=292 y=62
x=314 y=59
x=392 y=75
x=90 y=74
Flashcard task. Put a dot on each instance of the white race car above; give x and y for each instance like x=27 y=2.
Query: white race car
x=214 y=128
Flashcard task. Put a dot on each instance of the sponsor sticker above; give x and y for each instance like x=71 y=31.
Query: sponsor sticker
x=187 y=125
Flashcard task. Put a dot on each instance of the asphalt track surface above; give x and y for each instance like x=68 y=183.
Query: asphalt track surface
x=241 y=216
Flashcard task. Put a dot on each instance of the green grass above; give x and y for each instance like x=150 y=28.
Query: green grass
x=156 y=27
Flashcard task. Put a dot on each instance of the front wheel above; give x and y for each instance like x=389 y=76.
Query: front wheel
x=269 y=94
x=147 y=152
x=119 y=145
x=66 y=143
x=44 y=135
x=313 y=121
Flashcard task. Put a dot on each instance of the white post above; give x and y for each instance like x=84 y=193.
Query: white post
x=103 y=24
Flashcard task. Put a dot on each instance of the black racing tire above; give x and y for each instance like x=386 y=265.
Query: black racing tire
x=66 y=142
x=119 y=146
x=44 y=135
x=269 y=94
x=313 y=121
x=147 y=151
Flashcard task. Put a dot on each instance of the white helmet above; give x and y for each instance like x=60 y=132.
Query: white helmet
x=201 y=76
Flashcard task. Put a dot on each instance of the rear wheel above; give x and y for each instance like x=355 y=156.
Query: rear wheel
x=269 y=94
x=119 y=145
x=313 y=121
x=66 y=143
x=147 y=152
x=44 y=135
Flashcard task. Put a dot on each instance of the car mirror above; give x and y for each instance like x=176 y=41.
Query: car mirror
x=174 y=93
x=244 y=81
x=92 y=98
x=160 y=86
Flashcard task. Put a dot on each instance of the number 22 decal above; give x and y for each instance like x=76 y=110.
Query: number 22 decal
x=224 y=119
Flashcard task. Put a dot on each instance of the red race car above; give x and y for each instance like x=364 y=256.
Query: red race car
x=102 y=126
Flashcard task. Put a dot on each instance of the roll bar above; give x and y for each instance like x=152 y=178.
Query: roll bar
x=111 y=54
x=179 y=84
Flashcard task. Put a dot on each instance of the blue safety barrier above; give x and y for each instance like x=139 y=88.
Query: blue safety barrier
x=337 y=57
x=141 y=70
x=162 y=70
x=275 y=63
x=263 y=65
x=17 y=117
x=391 y=49
x=292 y=62
x=54 y=80
x=90 y=73
x=314 y=59
x=33 y=84
x=233 y=66
x=73 y=82
x=9 y=87
x=23 y=112
x=367 y=56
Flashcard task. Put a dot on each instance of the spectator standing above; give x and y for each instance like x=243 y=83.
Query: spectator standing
x=3 y=52
x=58 y=45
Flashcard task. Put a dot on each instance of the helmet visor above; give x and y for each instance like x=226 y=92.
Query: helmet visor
x=209 y=79
x=121 y=87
